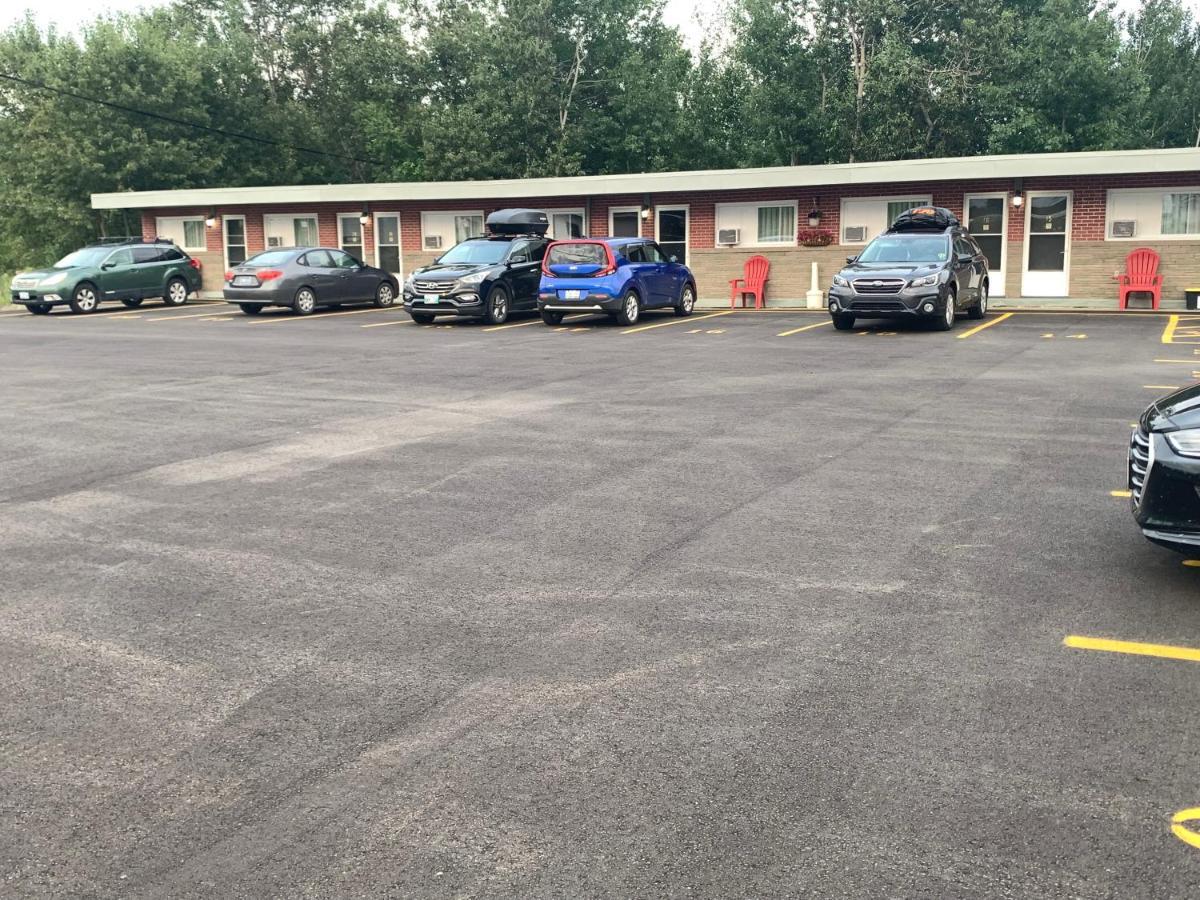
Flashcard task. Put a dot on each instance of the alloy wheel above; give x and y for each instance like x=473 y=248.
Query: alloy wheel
x=85 y=298
x=631 y=309
x=983 y=300
x=689 y=300
x=385 y=295
x=306 y=302
x=178 y=293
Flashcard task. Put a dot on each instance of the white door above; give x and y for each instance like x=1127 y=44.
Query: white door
x=387 y=244
x=1047 y=270
x=987 y=220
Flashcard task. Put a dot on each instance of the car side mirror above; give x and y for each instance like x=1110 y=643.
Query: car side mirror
x=108 y=266
x=674 y=259
x=964 y=258
x=850 y=260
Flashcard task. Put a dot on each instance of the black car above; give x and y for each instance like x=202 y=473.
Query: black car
x=484 y=277
x=1164 y=471
x=926 y=266
x=303 y=278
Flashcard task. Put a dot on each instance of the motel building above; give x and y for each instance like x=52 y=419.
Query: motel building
x=1056 y=227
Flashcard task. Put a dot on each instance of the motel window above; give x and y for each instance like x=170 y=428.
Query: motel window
x=566 y=223
x=1181 y=214
x=757 y=224
x=186 y=231
x=291 y=231
x=896 y=207
x=442 y=230
x=350 y=235
x=625 y=222
x=865 y=218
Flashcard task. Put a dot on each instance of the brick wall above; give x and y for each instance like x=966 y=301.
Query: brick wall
x=1093 y=260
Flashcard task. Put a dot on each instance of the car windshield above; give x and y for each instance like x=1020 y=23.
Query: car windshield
x=88 y=256
x=576 y=254
x=896 y=249
x=477 y=253
x=270 y=258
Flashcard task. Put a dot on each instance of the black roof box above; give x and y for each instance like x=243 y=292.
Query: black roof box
x=518 y=221
x=925 y=218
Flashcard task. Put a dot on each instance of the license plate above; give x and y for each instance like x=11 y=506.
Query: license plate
x=246 y=280
x=432 y=298
x=572 y=295
x=24 y=295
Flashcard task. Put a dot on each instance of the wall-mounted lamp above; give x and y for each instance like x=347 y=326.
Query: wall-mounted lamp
x=645 y=206
x=1018 y=197
x=212 y=220
x=364 y=217
x=814 y=214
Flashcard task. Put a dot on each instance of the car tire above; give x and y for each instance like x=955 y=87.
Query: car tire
x=385 y=295
x=304 y=303
x=687 y=301
x=945 y=319
x=979 y=310
x=497 y=306
x=39 y=309
x=422 y=318
x=176 y=293
x=843 y=322
x=85 y=299
x=133 y=304
x=631 y=309
x=250 y=309
x=550 y=317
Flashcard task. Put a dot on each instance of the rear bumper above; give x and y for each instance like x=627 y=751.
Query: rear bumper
x=593 y=302
x=257 y=295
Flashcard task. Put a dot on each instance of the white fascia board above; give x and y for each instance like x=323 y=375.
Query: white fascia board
x=1038 y=165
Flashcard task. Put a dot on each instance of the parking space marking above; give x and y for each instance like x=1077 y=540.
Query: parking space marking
x=1182 y=330
x=204 y=315
x=988 y=324
x=805 y=328
x=1120 y=493
x=1192 y=563
x=678 y=320
x=1190 y=362
x=1162 y=651
x=1161 y=387
x=383 y=324
x=329 y=315
x=1186 y=834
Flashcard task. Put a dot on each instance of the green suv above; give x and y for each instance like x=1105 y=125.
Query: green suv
x=127 y=270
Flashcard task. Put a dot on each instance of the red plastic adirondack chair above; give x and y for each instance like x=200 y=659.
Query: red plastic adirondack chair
x=753 y=281
x=1141 y=274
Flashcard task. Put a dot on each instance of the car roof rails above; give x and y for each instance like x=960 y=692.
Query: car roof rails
x=925 y=218
x=106 y=241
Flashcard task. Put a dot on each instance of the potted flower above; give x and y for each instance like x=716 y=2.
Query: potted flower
x=815 y=237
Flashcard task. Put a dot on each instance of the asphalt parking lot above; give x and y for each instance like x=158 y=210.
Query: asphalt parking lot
x=730 y=606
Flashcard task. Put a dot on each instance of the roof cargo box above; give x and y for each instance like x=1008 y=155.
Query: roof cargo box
x=518 y=221
x=925 y=218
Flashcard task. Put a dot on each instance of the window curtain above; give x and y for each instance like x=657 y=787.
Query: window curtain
x=777 y=224
x=1181 y=214
x=895 y=207
x=193 y=234
x=467 y=227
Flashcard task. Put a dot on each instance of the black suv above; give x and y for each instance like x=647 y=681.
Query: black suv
x=925 y=266
x=484 y=277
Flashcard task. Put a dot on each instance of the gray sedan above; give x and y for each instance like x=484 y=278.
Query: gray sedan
x=304 y=278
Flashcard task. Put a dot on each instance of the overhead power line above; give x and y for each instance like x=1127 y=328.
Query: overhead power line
x=41 y=86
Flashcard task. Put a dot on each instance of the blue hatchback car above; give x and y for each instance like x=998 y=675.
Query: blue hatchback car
x=619 y=276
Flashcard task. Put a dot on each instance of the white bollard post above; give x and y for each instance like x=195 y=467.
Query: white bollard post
x=815 y=296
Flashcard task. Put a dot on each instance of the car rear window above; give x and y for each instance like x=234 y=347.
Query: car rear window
x=270 y=258
x=577 y=254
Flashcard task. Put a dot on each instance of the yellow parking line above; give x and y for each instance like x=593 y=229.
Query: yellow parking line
x=1163 y=651
x=805 y=328
x=1161 y=387
x=1120 y=493
x=988 y=324
x=223 y=312
x=1190 y=362
x=1168 y=335
x=347 y=312
x=678 y=320
x=537 y=321
x=381 y=324
x=1186 y=834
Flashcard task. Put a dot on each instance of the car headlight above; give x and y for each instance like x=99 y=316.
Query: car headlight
x=839 y=281
x=53 y=279
x=473 y=279
x=924 y=281
x=408 y=283
x=1186 y=442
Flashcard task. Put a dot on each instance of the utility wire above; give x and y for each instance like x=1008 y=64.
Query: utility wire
x=28 y=82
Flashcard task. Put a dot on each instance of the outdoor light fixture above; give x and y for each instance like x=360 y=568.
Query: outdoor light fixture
x=645 y=206
x=364 y=217
x=814 y=214
x=1018 y=197
x=212 y=221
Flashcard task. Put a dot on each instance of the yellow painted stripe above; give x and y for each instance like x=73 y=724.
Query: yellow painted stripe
x=805 y=328
x=1121 y=493
x=223 y=312
x=1190 y=362
x=988 y=324
x=678 y=320
x=329 y=315
x=383 y=324
x=1164 y=651
x=537 y=321
x=1161 y=387
x=1186 y=834
x=1168 y=335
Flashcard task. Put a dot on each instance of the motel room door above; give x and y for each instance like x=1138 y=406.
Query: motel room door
x=672 y=231
x=987 y=221
x=1047 y=270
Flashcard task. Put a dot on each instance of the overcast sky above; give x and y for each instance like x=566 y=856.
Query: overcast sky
x=694 y=17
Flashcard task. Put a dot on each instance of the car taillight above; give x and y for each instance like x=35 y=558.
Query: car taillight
x=268 y=274
x=607 y=270
x=229 y=276
x=546 y=271
x=194 y=263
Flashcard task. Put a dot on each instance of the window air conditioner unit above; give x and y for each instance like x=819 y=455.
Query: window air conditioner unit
x=274 y=242
x=727 y=237
x=1124 y=228
x=855 y=234
x=433 y=242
